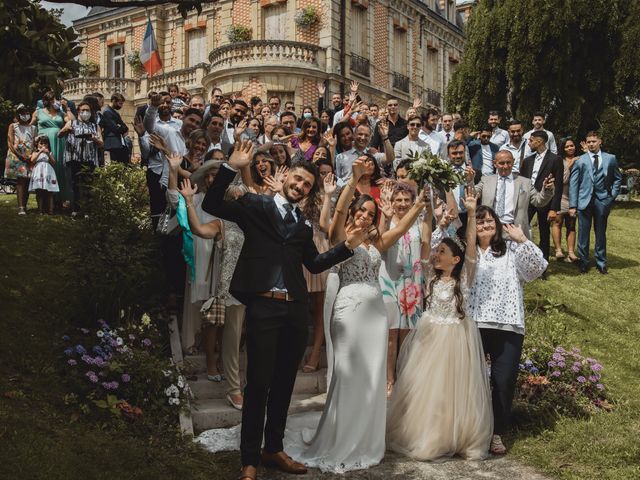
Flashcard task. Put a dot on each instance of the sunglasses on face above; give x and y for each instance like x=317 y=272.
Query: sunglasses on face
x=217 y=96
x=414 y=125
x=392 y=105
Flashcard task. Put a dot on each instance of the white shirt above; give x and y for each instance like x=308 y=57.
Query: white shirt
x=403 y=147
x=516 y=152
x=499 y=136
x=487 y=160
x=536 y=166
x=434 y=140
x=599 y=153
x=496 y=300
x=345 y=160
x=280 y=203
x=507 y=217
x=443 y=136
x=551 y=143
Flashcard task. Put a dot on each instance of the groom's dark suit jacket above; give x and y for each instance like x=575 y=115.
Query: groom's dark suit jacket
x=270 y=246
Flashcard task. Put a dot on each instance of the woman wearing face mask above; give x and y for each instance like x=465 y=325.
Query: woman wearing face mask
x=20 y=143
x=50 y=120
x=84 y=141
x=308 y=139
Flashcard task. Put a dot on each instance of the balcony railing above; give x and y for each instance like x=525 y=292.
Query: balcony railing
x=263 y=53
x=359 y=65
x=400 y=82
x=432 y=97
x=81 y=86
x=131 y=88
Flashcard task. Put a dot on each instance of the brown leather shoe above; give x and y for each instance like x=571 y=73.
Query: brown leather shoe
x=248 y=472
x=283 y=462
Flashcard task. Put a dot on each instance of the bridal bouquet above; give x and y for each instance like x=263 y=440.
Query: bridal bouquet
x=438 y=173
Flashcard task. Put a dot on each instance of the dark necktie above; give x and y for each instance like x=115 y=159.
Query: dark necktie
x=289 y=219
x=596 y=163
x=448 y=135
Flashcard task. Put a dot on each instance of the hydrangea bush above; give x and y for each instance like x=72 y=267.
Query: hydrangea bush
x=556 y=380
x=123 y=371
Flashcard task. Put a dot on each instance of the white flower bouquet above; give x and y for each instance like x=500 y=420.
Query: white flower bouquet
x=427 y=168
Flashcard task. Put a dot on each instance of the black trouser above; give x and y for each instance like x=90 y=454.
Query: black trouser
x=277 y=333
x=173 y=262
x=157 y=197
x=504 y=348
x=81 y=174
x=121 y=155
x=544 y=227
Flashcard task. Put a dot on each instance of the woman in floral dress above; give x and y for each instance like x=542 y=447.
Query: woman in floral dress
x=20 y=140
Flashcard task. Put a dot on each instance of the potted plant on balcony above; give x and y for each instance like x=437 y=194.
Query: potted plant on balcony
x=307 y=17
x=133 y=59
x=89 y=68
x=238 y=33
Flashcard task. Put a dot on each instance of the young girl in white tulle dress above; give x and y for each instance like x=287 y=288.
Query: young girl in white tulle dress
x=441 y=404
x=43 y=177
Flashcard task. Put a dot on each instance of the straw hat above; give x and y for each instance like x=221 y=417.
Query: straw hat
x=198 y=176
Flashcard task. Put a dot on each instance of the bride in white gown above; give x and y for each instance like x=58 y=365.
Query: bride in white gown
x=350 y=433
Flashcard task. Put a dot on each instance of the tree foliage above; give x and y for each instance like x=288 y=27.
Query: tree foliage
x=183 y=6
x=550 y=55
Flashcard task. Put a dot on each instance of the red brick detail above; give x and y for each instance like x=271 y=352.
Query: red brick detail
x=310 y=34
x=400 y=23
x=309 y=94
x=380 y=46
x=93 y=49
x=242 y=13
x=415 y=53
x=188 y=26
x=254 y=89
x=202 y=24
x=217 y=27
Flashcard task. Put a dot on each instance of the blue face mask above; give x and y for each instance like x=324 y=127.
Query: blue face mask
x=307 y=115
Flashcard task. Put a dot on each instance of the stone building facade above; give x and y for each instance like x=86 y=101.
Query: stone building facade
x=401 y=48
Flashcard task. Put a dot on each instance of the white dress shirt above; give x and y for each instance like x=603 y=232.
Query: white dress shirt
x=434 y=140
x=517 y=153
x=551 y=143
x=499 y=136
x=599 y=153
x=536 y=166
x=508 y=214
x=280 y=203
x=487 y=160
x=443 y=135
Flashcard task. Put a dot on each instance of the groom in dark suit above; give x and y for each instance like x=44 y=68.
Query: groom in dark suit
x=268 y=279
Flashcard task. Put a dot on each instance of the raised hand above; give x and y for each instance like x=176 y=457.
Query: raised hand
x=549 y=183
x=515 y=233
x=158 y=142
x=329 y=139
x=156 y=100
x=447 y=218
x=354 y=86
x=321 y=88
x=470 y=200
x=355 y=236
x=329 y=184
x=383 y=128
x=417 y=103
x=424 y=198
x=242 y=154
x=175 y=160
x=469 y=173
x=386 y=207
x=273 y=183
x=358 y=168
x=386 y=190
x=281 y=173
x=138 y=126
x=187 y=189
x=240 y=128
x=583 y=146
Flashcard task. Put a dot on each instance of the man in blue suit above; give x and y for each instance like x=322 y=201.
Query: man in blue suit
x=593 y=186
x=482 y=153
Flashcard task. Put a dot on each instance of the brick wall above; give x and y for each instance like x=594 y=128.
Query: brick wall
x=93 y=49
x=380 y=62
x=310 y=34
x=254 y=89
x=415 y=53
x=308 y=95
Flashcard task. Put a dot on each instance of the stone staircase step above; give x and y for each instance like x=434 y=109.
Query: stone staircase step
x=306 y=383
x=196 y=364
x=217 y=413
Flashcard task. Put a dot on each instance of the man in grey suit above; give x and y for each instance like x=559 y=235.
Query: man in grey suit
x=510 y=195
x=593 y=186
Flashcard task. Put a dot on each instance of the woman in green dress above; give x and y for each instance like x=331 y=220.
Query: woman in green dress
x=50 y=119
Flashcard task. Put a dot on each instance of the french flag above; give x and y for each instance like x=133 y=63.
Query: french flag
x=149 y=55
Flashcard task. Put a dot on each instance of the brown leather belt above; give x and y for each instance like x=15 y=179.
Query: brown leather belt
x=284 y=296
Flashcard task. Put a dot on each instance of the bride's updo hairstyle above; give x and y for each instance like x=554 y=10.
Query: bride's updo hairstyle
x=458 y=251
x=357 y=205
x=498 y=245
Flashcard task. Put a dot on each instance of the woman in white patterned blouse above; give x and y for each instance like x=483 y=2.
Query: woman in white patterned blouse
x=505 y=263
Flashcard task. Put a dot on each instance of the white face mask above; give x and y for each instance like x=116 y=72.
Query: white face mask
x=56 y=105
x=25 y=117
x=307 y=115
x=84 y=116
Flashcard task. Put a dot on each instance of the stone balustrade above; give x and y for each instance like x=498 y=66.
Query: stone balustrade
x=271 y=53
x=76 y=88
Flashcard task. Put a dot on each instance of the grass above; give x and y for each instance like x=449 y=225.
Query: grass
x=39 y=438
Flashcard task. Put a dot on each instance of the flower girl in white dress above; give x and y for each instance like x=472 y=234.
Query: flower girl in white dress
x=441 y=404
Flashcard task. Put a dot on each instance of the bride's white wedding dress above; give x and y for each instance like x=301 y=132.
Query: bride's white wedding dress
x=350 y=433
x=441 y=403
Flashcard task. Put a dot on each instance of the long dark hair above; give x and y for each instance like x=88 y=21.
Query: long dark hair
x=315 y=140
x=337 y=130
x=377 y=172
x=498 y=245
x=563 y=143
x=258 y=180
x=457 y=270
x=358 y=204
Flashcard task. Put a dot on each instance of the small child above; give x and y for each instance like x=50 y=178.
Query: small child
x=43 y=177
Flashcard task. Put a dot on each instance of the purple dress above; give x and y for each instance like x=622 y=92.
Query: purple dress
x=308 y=155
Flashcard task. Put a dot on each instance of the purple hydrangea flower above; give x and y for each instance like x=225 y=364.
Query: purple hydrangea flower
x=534 y=370
x=528 y=362
x=593 y=378
x=596 y=367
x=552 y=363
x=557 y=357
x=555 y=373
x=561 y=364
x=68 y=351
x=87 y=359
x=575 y=369
x=99 y=362
x=521 y=366
x=600 y=386
x=126 y=378
x=72 y=362
x=80 y=349
x=132 y=336
x=560 y=350
x=146 y=342
x=581 y=379
x=65 y=338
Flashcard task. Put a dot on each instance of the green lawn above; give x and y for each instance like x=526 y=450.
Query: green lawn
x=40 y=439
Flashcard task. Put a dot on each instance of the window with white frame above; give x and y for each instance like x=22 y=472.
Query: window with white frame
x=196 y=46
x=116 y=61
x=359 y=31
x=274 y=22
